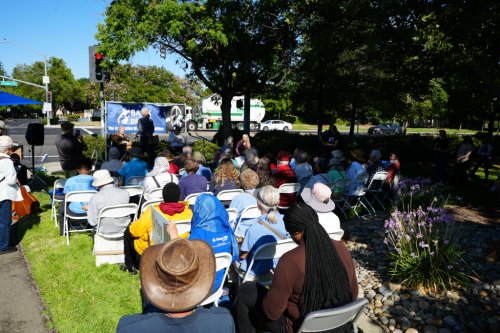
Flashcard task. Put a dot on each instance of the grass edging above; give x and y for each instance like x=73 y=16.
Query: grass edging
x=78 y=296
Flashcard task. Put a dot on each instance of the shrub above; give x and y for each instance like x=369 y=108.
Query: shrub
x=418 y=192
x=91 y=142
x=53 y=121
x=160 y=146
x=421 y=250
x=73 y=117
x=207 y=149
x=44 y=121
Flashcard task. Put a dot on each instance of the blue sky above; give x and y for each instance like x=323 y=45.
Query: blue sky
x=62 y=29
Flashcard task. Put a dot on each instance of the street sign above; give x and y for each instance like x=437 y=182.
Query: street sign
x=45 y=79
x=8 y=83
x=47 y=107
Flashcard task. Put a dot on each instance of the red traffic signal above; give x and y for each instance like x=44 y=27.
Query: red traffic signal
x=98 y=56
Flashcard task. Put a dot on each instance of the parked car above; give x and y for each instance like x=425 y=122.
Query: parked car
x=271 y=125
x=385 y=129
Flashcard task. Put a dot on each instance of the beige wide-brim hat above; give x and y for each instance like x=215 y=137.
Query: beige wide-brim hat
x=179 y=275
x=102 y=177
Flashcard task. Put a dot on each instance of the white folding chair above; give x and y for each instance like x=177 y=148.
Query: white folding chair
x=193 y=196
x=77 y=196
x=250 y=212
x=267 y=251
x=155 y=194
x=356 y=193
x=376 y=188
x=233 y=214
x=339 y=190
x=288 y=188
x=222 y=262
x=137 y=180
x=148 y=203
x=108 y=247
x=228 y=195
x=325 y=320
x=58 y=184
x=134 y=190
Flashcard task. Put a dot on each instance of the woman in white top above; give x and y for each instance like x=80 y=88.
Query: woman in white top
x=8 y=192
x=158 y=177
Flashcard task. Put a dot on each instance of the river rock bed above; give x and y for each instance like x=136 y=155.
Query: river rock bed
x=475 y=308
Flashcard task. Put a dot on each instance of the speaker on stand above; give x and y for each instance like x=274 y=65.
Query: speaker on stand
x=35 y=135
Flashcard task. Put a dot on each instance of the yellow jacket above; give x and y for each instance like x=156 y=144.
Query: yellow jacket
x=140 y=230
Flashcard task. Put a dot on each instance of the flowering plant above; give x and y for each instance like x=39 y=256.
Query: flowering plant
x=418 y=192
x=421 y=249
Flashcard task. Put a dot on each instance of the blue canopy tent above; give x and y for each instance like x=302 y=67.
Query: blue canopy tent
x=9 y=99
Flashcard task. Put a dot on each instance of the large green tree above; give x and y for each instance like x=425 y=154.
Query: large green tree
x=233 y=46
x=153 y=84
x=64 y=87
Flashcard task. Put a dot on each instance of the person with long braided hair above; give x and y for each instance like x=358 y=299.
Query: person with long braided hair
x=318 y=274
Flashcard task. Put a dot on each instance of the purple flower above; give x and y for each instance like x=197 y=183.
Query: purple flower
x=419 y=235
x=446 y=242
x=423 y=245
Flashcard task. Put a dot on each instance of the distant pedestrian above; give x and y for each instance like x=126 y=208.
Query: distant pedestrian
x=463 y=160
x=70 y=147
x=484 y=156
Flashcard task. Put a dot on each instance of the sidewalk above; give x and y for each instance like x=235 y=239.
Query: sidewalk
x=21 y=308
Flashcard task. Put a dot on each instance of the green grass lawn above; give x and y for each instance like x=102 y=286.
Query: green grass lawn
x=80 y=297
x=364 y=129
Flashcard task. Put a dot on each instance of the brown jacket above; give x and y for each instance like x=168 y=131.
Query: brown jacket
x=288 y=284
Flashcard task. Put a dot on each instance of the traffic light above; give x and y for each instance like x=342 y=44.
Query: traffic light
x=96 y=70
x=49 y=96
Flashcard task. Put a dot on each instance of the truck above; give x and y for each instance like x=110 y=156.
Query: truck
x=208 y=115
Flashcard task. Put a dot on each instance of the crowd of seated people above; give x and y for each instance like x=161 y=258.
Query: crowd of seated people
x=309 y=220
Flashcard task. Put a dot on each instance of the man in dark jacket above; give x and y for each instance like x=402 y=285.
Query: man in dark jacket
x=146 y=129
x=70 y=149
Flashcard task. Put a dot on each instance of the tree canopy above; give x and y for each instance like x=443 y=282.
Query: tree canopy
x=233 y=46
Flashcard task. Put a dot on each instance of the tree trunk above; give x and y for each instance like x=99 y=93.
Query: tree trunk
x=354 y=109
x=246 y=115
x=226 y=115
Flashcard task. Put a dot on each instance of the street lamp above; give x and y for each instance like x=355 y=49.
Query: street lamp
x=45 y=79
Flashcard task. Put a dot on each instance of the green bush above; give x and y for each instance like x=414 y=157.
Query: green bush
x=53 y=121
x=73 y=117
x=160 y=146
x=207 y=149
x=44 y=121
x=91 y=144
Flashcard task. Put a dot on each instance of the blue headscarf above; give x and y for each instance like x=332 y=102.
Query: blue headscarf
x=210 y=215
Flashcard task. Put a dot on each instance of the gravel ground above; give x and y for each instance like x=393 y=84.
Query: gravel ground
x=395 y=308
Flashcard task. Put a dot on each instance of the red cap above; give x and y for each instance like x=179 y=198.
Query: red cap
x=283 y=156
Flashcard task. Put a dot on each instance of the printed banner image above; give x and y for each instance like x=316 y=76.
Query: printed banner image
x=128 y=114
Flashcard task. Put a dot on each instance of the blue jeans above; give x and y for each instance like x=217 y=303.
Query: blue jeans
x=5 y=222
